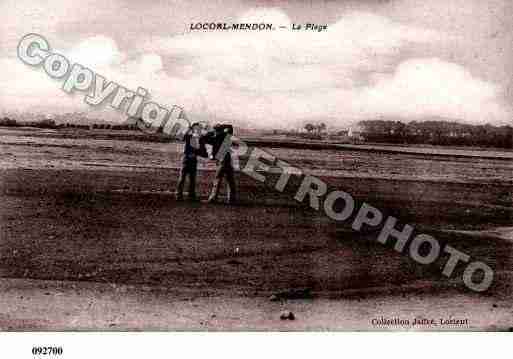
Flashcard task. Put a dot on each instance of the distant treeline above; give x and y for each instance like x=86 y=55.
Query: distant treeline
x=6 y=121
x=48 y=123
x=437 y=133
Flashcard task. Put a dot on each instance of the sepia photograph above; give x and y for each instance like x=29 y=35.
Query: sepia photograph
x=255 y=166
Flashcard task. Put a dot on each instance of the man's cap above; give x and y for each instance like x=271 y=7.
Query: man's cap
x=224 y=128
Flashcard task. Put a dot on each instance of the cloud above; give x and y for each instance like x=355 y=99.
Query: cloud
x=25 y=88
x=96 y=51
x=435 y=88
x=290 y=61
x=360 y=68
x=356 y=70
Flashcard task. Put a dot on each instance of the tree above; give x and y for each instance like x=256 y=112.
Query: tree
x=309 y=127
x=6 y=121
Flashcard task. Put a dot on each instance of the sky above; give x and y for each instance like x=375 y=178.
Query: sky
x=397 y=59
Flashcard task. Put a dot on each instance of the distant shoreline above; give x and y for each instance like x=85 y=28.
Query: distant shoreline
x=263 y=141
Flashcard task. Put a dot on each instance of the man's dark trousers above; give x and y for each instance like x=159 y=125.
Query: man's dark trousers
x=189 y=169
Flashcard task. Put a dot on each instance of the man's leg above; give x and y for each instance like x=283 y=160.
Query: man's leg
x=217 y=182
x=181 y=182
x=230 y=177
x=193 y=169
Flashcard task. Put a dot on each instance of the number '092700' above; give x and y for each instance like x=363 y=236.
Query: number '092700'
x=46 y=350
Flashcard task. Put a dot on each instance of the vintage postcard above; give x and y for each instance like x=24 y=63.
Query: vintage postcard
x=252 y=165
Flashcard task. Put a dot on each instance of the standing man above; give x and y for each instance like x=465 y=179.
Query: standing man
x=194 y=147
x=224 y=165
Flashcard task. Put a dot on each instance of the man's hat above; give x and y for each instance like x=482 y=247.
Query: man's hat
x=220 y=127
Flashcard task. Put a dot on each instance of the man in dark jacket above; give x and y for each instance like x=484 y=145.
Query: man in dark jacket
x=217 y=138
x=194 y=147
